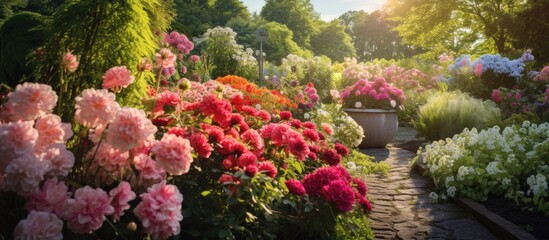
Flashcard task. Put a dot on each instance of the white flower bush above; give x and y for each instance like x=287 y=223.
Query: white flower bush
x=511 y=163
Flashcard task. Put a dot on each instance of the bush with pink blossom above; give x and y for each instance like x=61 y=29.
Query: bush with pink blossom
x=375 y=94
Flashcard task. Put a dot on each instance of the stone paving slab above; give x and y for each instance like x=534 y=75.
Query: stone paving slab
x=402 y=209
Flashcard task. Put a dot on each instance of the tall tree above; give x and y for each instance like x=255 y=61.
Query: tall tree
x=279 y=43
x=333 y=41
x=458 y=25
x=298 y=15
x=375 y=38
x=189 y=21
x=225 y=10
x=530 y=29
x=20 y=35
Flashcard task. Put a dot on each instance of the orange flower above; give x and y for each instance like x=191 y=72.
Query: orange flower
x=269 y=99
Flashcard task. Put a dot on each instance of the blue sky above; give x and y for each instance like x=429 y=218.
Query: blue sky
x=328 y=9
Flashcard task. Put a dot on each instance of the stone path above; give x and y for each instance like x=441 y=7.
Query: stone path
x=402 y=208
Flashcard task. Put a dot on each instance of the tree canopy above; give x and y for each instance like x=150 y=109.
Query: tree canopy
x=298 y=15
x=458 y=25
x=333 y=41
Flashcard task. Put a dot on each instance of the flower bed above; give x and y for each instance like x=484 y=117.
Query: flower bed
x=492 y=162
x=191 y=163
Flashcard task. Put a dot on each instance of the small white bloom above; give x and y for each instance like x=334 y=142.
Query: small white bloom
x=358 y=105
x=492 y=168
x=335 y=94
x=306 y=115
x=258 y=106
x=449 y=180
x=433 y=196
x=393 y=103
x=451 y=191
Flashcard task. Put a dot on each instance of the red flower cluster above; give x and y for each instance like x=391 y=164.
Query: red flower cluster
x=335 y=185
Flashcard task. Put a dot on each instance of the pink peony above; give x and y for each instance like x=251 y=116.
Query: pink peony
x=96 y=134
x=148 y=169
x=331 y=156
x=86 y=212
x=295 y=187
x=220 y=109
x=160 y=210
x=117 y=78
x=120 y=196
x=254 y=140
x=364 y=203
x=194 y=58
x=95 y=107
x=251 y=170
x=39 y=225
x=16 y=138
x=30 y=101
x=478 y=69
x=360 y=186
x=60 y=160
x=50 y=197
x=173 y=154
x=51 y=130
x=166 y=98
x=200 y=144
x=25 y=173
x=246 y=159
x=327 y=128
x=267 y=168
x=310 y=134
x=264 y=115
x=310 y=125
x=69 y=62
x=496 y=96
x=297 y=145
x=144 y=65
x=129 y=128
x=285 y=115
x=340 y=193
x=109 y=158
x=341 y=149
x=315 y=182
x=165 y=58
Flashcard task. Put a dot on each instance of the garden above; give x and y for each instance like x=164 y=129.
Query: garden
x=182 y=119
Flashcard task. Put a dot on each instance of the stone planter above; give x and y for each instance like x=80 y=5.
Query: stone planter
x=380 y=126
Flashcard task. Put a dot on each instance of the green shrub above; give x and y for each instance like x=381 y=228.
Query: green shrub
x=360 y=164
x=414 y=101
x=316 y=70
x=449 y=113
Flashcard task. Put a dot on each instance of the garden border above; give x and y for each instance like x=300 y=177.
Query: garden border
x=495 y=223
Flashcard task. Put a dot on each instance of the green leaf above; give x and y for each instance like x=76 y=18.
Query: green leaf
x=266 y=209
x=205 y=193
